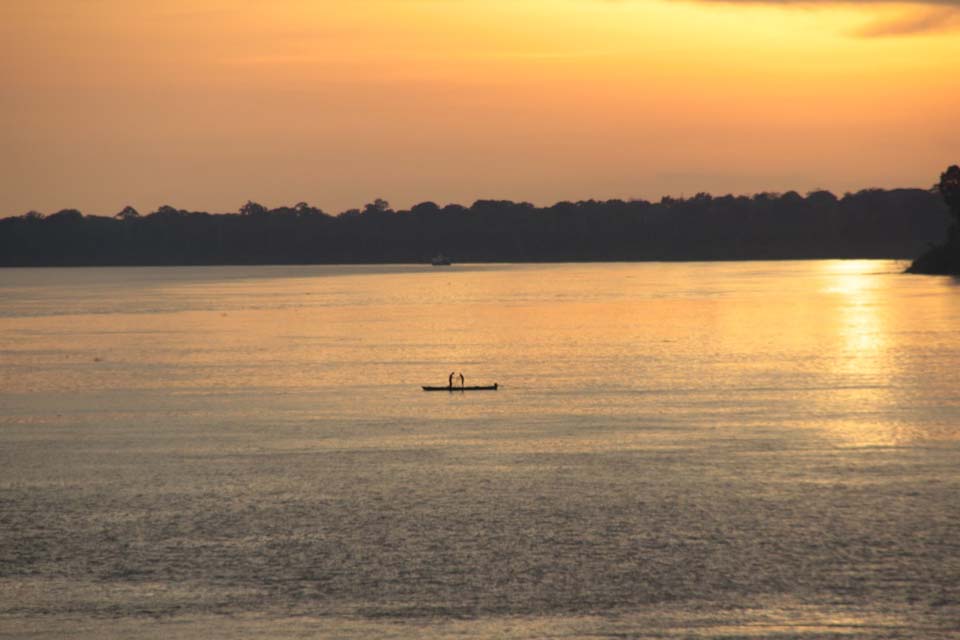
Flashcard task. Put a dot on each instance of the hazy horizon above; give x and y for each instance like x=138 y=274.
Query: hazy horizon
x=467 y=204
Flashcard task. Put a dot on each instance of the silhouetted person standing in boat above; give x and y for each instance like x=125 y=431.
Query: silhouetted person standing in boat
x=450 y=379
x=461 y=380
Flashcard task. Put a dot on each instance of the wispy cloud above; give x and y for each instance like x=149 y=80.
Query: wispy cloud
x=917 y=16
x=813 y=3
x=912 y=22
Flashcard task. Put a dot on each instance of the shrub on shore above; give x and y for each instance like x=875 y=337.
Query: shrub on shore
x=944 y=258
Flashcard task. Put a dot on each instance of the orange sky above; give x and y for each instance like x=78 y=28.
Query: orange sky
x=204 y=104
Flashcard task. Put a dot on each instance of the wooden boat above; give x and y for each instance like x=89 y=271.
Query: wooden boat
x=492 y=387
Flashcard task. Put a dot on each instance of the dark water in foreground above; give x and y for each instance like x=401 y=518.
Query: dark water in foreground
x=680 y=450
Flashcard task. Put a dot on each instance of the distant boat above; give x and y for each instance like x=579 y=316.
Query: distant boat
x=492 y=387
x=441 y=260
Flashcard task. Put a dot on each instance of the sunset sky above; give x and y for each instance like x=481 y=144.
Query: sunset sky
x=205 y=104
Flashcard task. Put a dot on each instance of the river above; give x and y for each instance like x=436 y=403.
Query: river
x=708 y=450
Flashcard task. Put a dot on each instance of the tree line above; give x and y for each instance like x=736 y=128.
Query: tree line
x=871 y=223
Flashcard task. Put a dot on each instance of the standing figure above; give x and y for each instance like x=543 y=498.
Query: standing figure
x=461 y=379
x=450 y=380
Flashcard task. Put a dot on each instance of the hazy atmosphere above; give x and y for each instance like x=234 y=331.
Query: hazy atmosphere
x=205 y=104
x=515 y=319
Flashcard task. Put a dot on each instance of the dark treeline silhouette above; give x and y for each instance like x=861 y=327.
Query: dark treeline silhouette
x=945 y=258
x=873 y=223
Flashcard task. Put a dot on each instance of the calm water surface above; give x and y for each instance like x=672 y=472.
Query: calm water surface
x=767 y=449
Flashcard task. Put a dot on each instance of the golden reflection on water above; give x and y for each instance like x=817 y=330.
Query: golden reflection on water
x=663 y=454
x=842 y=347
x=863 y=364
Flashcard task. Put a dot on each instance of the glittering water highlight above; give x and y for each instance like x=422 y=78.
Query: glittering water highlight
x=676 y=450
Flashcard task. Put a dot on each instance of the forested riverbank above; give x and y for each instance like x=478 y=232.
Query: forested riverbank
x=944 y=258
x=871 y=223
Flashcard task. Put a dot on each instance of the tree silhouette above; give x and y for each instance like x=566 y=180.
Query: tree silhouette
x=253 y=209
x=949 y=188
x=127 y=213
x=166 y=212
x=66 y=215
x=944 y=258
x=377 y=206
x=821 y=198
x=425 y=208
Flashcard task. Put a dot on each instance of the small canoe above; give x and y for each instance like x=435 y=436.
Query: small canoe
x=492 y=387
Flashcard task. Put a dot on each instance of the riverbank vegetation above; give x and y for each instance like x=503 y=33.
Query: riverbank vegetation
x=872 y=223
x=944 y=258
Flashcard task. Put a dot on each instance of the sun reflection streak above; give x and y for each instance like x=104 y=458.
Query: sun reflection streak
x=862 y=366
